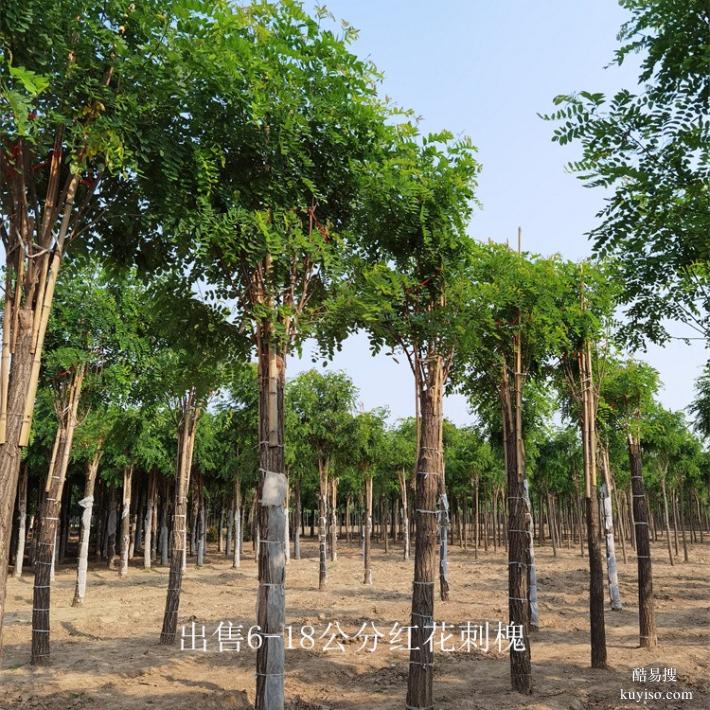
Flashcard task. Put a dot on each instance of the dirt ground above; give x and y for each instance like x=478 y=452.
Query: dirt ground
x=106 y=654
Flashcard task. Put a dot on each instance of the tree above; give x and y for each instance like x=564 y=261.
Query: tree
x=700 y=407
x=367 y=442
x=322 y=406
x=88 y=342
x=627 y=392
x=519 y=338
x=651 y=150
x=74 y=88
x=268 y=183
x=400 y=453
x=587 y=314
x=407 y=285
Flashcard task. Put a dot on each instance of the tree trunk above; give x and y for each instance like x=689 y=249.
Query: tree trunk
x=348 y=521
x=367 y=578
x=632 y=520
x=428 y=474
x=518 y=530
x=620 y=520
x=87 y=503
x=647 y=611
x=273 y=486
x=333 y=518
x=322 y=523
x=682 y=525
x=612 y=576
x=533 y=611
x=201 y=531
x=21 y=521
x=297 y=526
x=51 y=506
x=148 y=524
x=137 y=520
x=666 y=518
x=28 y=303
x=551 y=525
x=477 y=507
x=237 y=559
x=405 y=512
x=443 y=547
x=674 y=506
x=189 y=416
x=126 y=519
x=386 y=523
x=111 y=529
x=589 y=455
x=164 y=532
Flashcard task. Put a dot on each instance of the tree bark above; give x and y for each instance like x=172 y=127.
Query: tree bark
x=297 y=526
x=87 y=503
x=589 y=453
x=51 y=506
x=273 y=486
x=201 y=531
x=189 y=415
x=333 y=518
x=405 y=512
x=666 y=518
x=367 y=577
x=126 y=520
x=428 y=474
x=11 y=450
x=443 y=546
x=647 y=610
x=237 y=552
x=21 y=521
x=518 y=530
x=111 y=529
x=322 y=523
x=33 y=253
x=533 y=610
x=148 y=524
x=477 y=521
x=682 y=524
x=612 y=576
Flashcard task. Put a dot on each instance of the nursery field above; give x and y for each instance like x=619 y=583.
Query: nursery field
x=106 y=653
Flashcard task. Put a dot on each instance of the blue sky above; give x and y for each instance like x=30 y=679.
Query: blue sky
x=485 y=69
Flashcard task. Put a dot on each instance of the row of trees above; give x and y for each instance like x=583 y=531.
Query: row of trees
x=227 y=182
x=118 y=380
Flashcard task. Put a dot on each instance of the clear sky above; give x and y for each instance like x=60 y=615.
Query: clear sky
x=485 y=68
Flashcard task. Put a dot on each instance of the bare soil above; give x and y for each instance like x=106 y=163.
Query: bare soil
x=106 y=654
